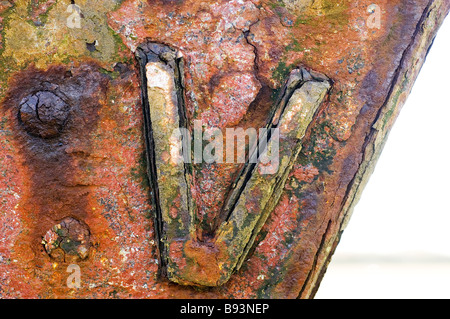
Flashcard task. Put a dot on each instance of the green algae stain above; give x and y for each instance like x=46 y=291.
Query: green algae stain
x=395 y=102
x=324 y=12
x=276 y=4
x=318 y=152
x=139 y=172
x=279 y=75
x=295 y=46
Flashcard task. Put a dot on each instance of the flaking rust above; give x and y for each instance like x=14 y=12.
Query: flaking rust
x=185 y=259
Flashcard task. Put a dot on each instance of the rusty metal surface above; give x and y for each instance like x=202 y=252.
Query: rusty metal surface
x=72 y=145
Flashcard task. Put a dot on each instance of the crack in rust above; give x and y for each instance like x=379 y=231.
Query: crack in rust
x=316 y=258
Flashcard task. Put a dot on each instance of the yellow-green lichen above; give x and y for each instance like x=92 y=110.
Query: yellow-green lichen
x=322 y=12
x=59 y=40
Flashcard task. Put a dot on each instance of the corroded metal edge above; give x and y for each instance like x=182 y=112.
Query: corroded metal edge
x=405 y=75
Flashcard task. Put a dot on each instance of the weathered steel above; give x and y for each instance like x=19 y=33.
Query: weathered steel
x=84 y=157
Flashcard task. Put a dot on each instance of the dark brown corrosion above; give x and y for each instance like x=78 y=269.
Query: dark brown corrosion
x=43 y=114
x=52 y=114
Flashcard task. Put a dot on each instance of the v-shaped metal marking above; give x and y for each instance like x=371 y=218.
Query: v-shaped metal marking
x=183 y=258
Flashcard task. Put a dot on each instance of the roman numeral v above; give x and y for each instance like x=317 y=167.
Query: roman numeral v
x=210 y=262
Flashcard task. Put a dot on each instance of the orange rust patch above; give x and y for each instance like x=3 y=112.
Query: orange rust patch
x=204 y=261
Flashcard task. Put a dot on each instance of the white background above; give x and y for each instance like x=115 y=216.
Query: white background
x=397 y=244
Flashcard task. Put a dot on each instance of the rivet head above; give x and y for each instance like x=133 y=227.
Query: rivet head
x=43 y=114
x=70 y=236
